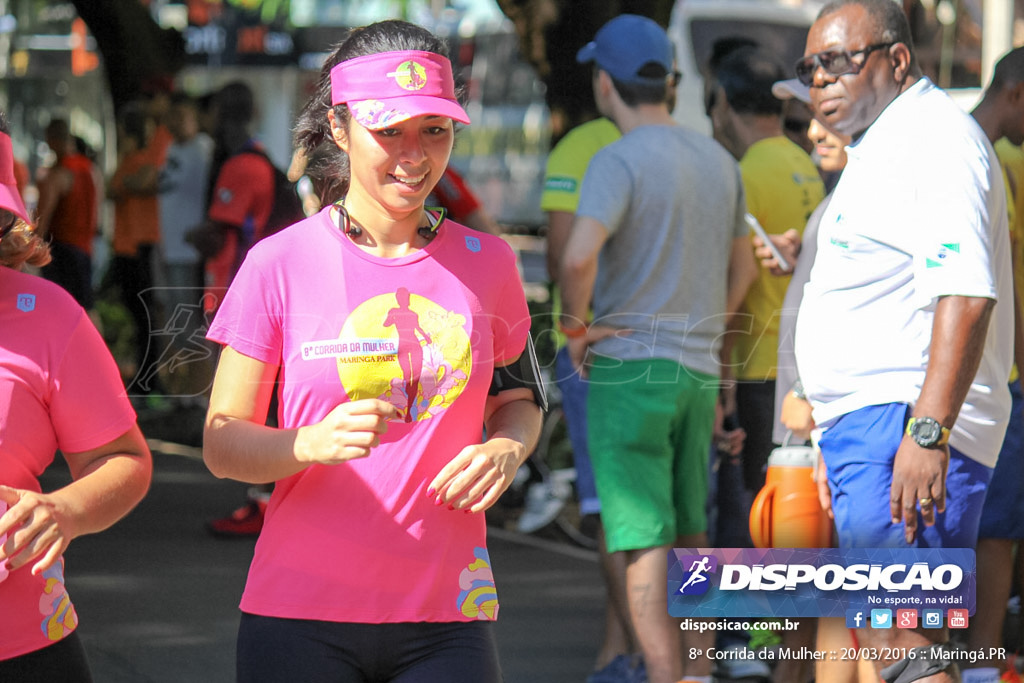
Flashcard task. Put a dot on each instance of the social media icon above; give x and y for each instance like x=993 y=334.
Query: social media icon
x=855 y=618
x=881 y=618
x=957 y=618
x=906 y=618
x=931 y=618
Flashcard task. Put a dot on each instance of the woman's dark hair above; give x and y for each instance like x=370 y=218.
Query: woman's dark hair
x=329 y=168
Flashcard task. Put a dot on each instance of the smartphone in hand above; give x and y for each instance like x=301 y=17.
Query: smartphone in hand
x=756 y=227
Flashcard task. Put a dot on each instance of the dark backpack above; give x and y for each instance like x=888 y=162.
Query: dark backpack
x=287 y=207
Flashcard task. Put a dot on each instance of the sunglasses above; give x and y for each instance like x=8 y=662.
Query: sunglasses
x=835 y=62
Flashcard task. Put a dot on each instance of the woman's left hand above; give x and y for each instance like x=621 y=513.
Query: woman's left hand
x=478 y=475
x=35 y=526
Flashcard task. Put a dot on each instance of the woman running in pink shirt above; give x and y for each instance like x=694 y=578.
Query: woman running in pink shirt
x=372 y=564
x=59 y=389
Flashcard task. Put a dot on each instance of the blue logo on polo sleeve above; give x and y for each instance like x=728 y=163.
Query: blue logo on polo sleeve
x=473 y=244
x=26 y=303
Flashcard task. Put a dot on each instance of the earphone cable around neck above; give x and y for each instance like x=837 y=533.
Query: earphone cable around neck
x=436 y=215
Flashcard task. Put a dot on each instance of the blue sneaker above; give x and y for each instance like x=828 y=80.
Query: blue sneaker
x=622 y=669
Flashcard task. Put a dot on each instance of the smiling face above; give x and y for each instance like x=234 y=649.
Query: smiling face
x=395 y=168
x=850 y=103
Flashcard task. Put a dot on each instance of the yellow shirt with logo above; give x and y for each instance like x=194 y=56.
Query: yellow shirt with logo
x=568 y=161
x=783 y=188
x=563 y=178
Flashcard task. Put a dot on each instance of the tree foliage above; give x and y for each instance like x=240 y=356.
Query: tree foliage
x=135 y=48
x=552 y=31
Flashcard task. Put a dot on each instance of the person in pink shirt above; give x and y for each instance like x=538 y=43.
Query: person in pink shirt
x=397 y=337
x=59 y=389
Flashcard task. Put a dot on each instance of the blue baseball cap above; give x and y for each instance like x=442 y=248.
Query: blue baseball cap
x=625 y=44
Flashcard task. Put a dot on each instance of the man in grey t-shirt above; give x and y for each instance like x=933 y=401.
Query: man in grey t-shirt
x=660 y=246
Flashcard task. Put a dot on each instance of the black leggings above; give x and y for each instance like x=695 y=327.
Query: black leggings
x=62 y=662
x=272 y=649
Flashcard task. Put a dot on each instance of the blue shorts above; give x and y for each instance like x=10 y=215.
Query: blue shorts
x=574 y=407
x=859 y=450
x=1003 y=513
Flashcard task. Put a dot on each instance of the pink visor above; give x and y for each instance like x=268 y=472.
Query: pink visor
x=386 y=88
x=10 y=198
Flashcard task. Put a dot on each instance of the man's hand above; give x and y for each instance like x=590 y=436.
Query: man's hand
x=796 y=416
x=918 y=479
x=821 y=481
x=788 y=243
x=578 y=346
x=727 y=438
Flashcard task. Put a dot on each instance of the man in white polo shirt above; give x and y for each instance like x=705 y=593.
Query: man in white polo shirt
x=904 y=333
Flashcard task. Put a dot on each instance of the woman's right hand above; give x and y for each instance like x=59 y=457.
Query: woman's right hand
x=348 y=432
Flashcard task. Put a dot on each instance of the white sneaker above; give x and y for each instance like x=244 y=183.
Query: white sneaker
x=544 y=500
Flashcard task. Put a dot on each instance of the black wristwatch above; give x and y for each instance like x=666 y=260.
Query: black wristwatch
x=927 y=432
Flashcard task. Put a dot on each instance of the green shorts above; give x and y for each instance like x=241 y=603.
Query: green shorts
x=649 y=423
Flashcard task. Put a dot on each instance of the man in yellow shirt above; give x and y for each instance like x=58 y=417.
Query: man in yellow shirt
x=1001 y=115
x=782 y=188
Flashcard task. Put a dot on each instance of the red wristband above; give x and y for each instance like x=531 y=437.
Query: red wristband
x=573 y=332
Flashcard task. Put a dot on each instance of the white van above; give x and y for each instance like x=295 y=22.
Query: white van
x=695 y=26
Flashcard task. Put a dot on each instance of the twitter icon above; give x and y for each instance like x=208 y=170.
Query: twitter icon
x=881 y=618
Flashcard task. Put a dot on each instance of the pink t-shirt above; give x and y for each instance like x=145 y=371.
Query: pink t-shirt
x=59 y=388
x=361 y=541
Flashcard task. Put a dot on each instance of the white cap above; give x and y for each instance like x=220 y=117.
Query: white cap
x=791 y=88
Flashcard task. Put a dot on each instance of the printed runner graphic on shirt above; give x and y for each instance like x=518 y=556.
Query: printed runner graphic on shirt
x=401 y=348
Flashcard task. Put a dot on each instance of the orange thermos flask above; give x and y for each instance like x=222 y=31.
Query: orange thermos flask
x=786 y=512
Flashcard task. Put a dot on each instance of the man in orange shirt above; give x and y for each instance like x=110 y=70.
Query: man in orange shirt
x=69 y=215
x=133 y=189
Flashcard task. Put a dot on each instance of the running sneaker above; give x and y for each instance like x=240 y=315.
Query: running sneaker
x=243 y=522
x=622 y=669
x=544 y=501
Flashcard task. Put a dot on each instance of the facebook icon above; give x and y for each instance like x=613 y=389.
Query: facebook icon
x=855 y=618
